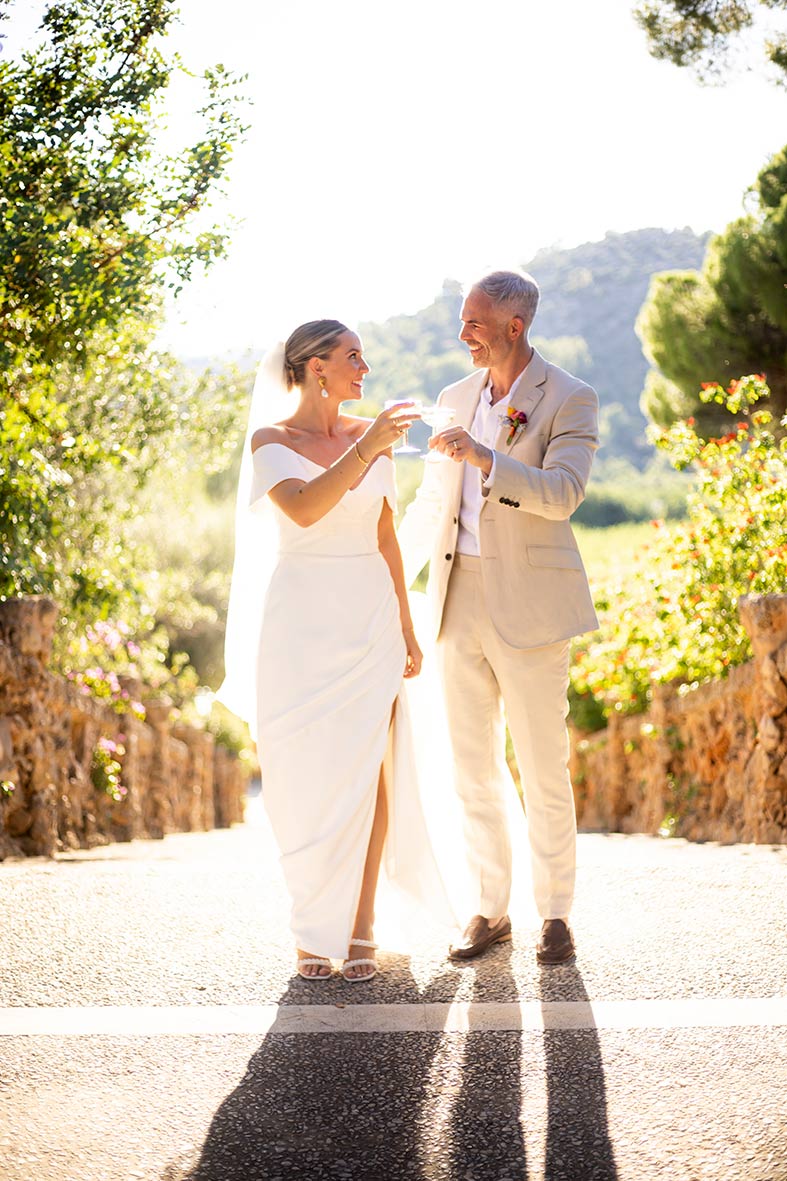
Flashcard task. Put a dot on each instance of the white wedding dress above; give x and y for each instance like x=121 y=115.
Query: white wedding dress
x=332 y=708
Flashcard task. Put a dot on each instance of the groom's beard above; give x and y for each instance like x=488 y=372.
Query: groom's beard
x=489 y=354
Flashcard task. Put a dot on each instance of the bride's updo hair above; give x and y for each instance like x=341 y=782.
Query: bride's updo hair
x=318 y=338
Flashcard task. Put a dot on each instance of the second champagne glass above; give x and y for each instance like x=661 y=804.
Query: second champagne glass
x=438 y=418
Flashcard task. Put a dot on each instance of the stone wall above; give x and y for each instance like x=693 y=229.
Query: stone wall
x=173 y=777
x=706 y=762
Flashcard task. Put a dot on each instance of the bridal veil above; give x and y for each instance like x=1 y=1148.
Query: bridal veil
x=256 y=542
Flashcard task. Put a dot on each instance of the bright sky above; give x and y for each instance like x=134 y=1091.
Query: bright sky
x=395 y=145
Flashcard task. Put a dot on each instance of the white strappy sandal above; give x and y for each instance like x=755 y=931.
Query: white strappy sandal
x=372 y=963
x=318 y=961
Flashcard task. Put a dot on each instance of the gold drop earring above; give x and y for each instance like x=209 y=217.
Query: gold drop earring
x=323 y=392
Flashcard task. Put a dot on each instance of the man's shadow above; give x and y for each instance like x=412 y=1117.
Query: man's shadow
x=578 y=1142
x=486 y=1134
x=326 y=1105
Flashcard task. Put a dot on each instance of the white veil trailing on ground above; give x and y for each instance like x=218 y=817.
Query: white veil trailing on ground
x=256 y=542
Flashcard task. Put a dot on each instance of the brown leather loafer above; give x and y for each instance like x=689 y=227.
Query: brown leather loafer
x=556 y=943
x=479 y=936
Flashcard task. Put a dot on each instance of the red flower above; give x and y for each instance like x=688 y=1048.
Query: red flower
x=516 y=419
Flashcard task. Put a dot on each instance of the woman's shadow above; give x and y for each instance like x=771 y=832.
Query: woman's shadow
x=327 y=1105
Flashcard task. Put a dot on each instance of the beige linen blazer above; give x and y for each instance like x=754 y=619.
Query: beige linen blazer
x=534 y=582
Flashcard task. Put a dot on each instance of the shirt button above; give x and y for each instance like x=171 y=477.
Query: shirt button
x=448 y=557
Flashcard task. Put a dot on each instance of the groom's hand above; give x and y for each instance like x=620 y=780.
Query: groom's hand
x=459 y=445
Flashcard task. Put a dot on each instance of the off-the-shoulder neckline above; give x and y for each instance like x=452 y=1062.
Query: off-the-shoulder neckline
x=300 y=454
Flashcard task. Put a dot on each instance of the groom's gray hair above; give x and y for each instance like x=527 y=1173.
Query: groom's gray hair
x=516 y=291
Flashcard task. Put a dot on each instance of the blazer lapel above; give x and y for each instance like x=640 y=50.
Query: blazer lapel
x=467 y=404
x=525 y=398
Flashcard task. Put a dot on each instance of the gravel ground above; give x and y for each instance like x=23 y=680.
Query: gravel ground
x=201 y=919
x=707 y=1105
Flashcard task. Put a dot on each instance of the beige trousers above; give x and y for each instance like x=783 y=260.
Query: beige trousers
x=486 y=682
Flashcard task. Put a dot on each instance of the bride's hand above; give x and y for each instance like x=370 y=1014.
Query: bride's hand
x=415 y=656
x=387 y=429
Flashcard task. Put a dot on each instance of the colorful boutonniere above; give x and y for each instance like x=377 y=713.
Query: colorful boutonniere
x=516 y=420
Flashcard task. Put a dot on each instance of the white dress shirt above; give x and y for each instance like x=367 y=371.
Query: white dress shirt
x=484 y=428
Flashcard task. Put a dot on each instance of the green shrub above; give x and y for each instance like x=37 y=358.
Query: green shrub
x=673 y=616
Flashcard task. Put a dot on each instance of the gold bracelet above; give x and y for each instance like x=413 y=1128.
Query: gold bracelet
x=365 y=462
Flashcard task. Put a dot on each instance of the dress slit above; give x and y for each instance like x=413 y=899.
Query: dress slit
x=384 y=785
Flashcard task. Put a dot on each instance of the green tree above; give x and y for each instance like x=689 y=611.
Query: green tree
x=94 y=223
x=698 y=33
x=730 y=317
x=93 y=219
x=141 y=433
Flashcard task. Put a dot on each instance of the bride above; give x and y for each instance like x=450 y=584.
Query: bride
x=318 y=645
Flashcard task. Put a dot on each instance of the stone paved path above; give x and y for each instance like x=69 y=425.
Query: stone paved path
x=151 y=1028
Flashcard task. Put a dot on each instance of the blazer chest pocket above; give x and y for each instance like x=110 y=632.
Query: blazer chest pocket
x=554 y=555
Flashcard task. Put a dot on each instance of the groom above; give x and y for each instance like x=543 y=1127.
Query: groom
x=508 y=591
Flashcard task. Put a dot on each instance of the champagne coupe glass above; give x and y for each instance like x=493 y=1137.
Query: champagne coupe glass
x=438 y=418
x=413 y=410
